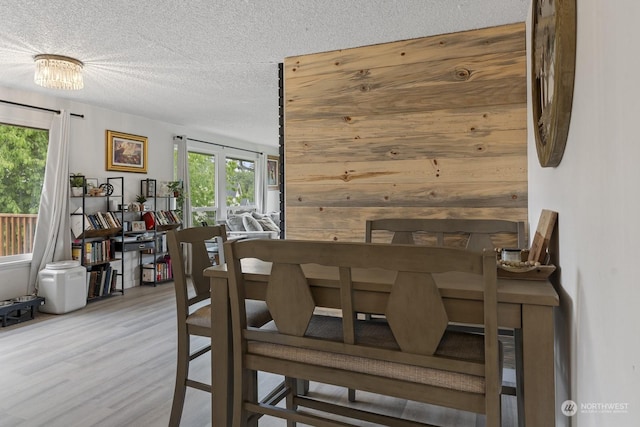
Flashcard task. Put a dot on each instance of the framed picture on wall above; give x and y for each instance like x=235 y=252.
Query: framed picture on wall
x=272 y=172
x=126 y=153
x=91 y=183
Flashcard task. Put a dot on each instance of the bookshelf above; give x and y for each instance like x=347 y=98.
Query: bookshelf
x=93 y=227
x=155 y=263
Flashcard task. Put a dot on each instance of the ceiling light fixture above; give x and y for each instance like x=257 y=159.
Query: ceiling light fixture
x=58 y=72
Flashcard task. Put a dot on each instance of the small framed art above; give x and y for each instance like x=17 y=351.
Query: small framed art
x=149 y=187
x=91 y=183
x=138 y=226
x=126 y=153
x=272 y=172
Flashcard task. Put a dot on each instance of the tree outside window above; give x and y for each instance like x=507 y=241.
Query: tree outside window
x=241 y=182
x=23 y=155
x=206 y=199
x=202 y=183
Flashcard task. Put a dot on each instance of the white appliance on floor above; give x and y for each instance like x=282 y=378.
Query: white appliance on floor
x=63 y=285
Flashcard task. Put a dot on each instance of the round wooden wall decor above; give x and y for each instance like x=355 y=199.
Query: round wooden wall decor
x=553 y=68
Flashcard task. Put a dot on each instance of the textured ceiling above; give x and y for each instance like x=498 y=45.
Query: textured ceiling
x=211 y=65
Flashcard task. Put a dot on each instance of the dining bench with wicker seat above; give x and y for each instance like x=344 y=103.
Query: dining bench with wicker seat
x=408 y=354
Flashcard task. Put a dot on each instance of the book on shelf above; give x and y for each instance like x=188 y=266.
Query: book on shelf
x=105 y=288
x=162 y=243
x=78 y=220
x=93 y=277
x=105 y=221
x=100 y=281
x=94 y=251
x=95 y=224
x=102 y=221
x=76 y=252
x=113 y=220
x=114 y=280
x=154 y=219
x=88 y=253
x=149 y=220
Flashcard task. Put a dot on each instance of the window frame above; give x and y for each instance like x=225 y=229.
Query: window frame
x=216 y=158
x=33 y=119
x=247 y=158
x=221 y=154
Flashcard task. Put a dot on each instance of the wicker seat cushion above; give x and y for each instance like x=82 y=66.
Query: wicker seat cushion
x=457 y=345
x=201 y=317
x=257 y=314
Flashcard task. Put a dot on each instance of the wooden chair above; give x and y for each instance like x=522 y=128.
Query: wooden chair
x=192 y=305
x=472 y=234
x=409 y=354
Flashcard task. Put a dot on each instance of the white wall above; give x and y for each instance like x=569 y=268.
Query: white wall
x=595 y=190
x=88 y=156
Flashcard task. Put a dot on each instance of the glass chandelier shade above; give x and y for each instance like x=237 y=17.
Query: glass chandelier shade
x=58 y=72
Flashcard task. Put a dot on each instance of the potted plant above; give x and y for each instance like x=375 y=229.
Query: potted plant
x=77 y=184
x=141 y=198
x=175 y=187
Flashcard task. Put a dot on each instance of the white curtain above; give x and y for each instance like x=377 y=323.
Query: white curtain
x=183 y=174
x=261 y=183
x=52 y=241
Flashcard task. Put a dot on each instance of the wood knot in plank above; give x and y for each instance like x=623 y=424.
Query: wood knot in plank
x=462 y=74
x=350 y=175
x=434 y=163
x=361 y=74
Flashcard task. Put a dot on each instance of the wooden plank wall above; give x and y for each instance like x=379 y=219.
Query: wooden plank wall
x=427 y=128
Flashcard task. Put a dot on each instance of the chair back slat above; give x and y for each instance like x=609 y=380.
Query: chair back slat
x=289 y=299
x=357 y=255
x=348 y=312
x=473 y=234
x=190 y=246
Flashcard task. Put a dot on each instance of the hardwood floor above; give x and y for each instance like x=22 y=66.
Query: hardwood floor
x=112 y=364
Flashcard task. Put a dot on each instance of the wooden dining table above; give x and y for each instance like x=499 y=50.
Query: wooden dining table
x=526 y=306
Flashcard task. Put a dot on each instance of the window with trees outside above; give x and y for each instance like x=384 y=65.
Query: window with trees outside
x=23 y=156
x=202 y=183
x=241 y=183
x=213 y=192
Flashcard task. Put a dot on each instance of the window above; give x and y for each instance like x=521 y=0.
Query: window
x=241 y=183
x=218 y=183
x=23 y=155
x=202 y=183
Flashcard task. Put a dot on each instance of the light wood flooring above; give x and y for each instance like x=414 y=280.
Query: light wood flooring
x=112 y=364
